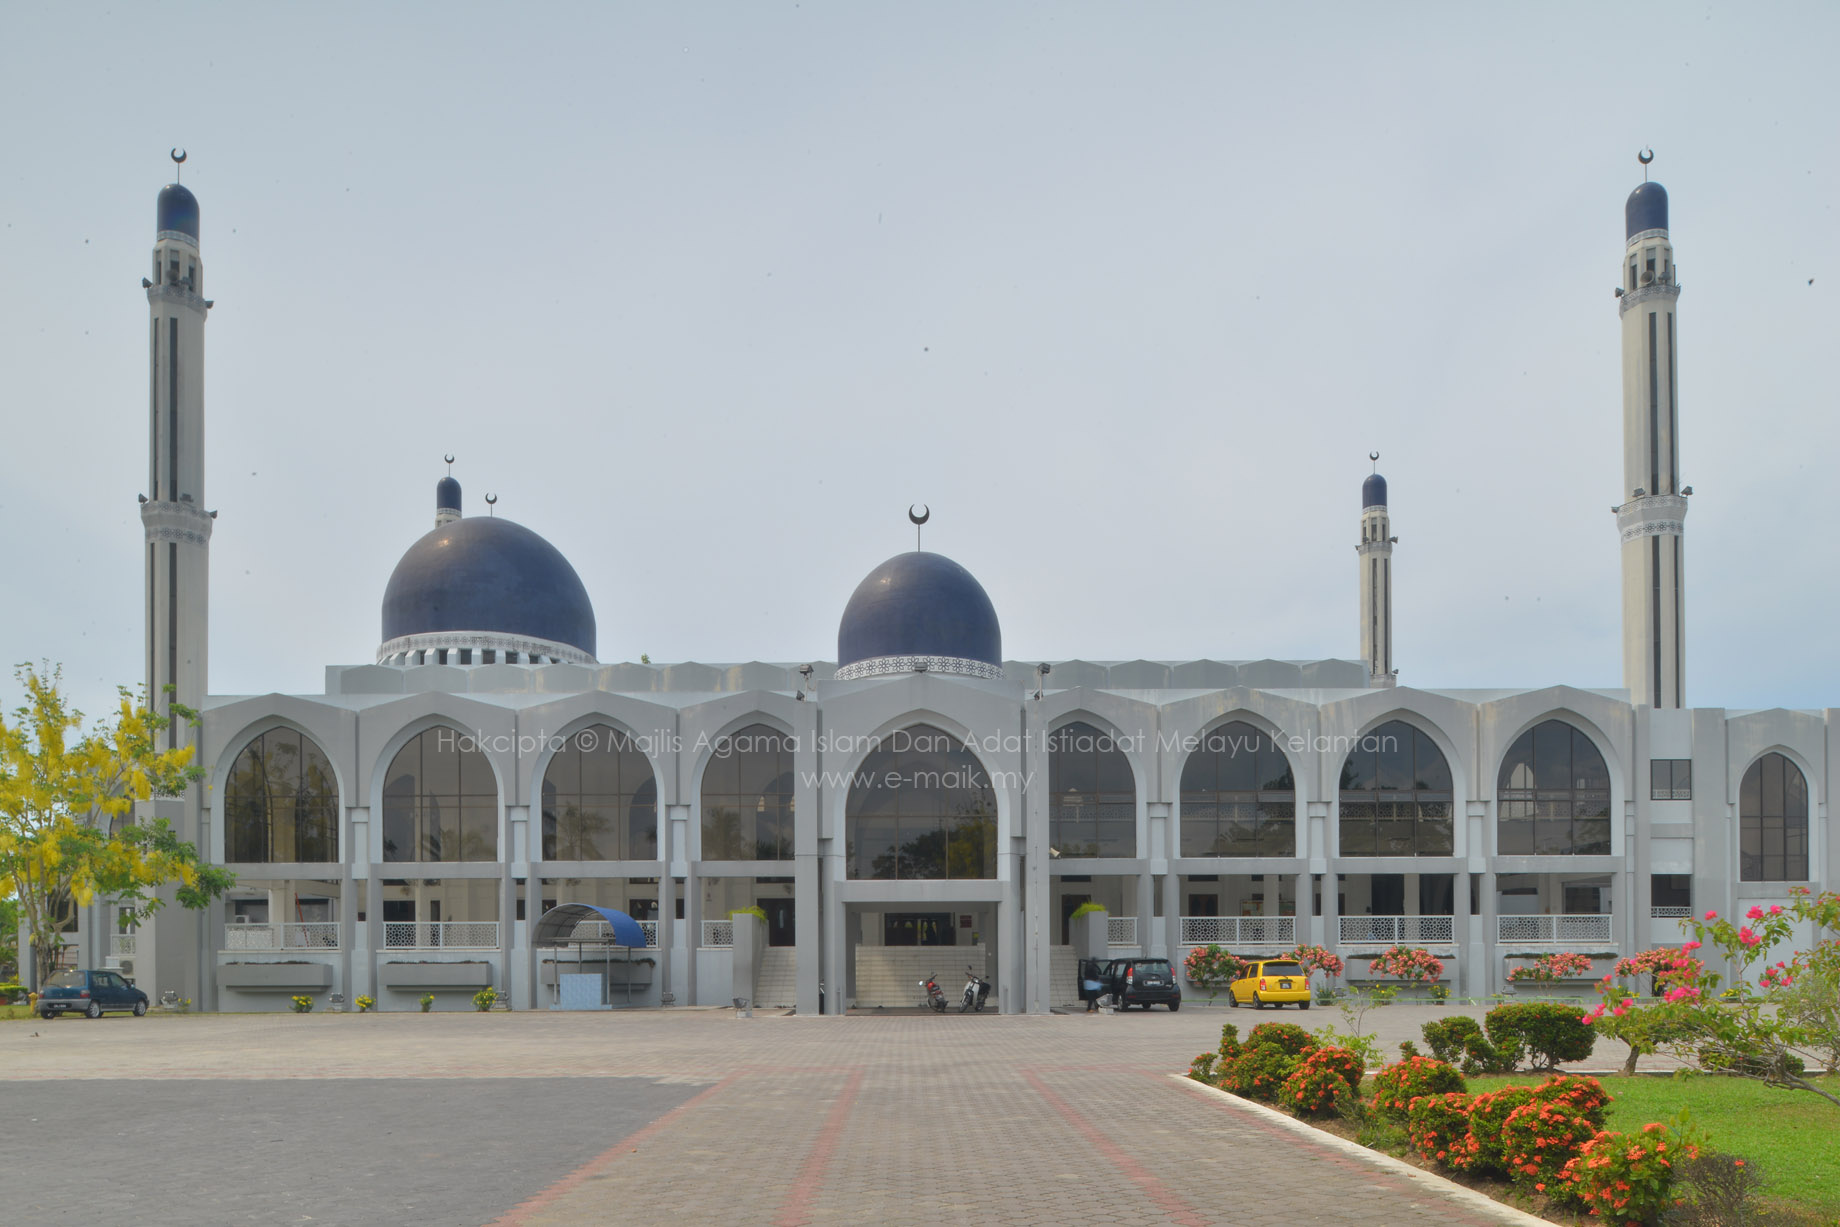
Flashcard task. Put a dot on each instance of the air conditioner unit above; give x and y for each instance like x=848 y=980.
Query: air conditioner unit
x=239 y=919
x=127 y=967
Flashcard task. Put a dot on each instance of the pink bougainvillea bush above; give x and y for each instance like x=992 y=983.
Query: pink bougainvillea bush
x=1562 y=966
x=1316 y=958
x=1409 y=963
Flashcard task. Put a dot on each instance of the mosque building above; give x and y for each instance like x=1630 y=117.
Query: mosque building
x=923 y=804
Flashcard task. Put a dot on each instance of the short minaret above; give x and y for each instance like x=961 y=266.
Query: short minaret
x=176 y=525
x=1652 y=509
x=447 y=497
x=1376 y=553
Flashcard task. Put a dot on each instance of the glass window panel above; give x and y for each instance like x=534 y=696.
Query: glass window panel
x=1750 y=793
x=1588 y=767
x=1277 y=837
x=874 y=841
x=1517 y=766
x=1436 y=836
x=1117 y=832
x=1591 y=837
x=1433 y=772
x=1552 y=837
x=1357 y=838
x=1200 y=823
x=478 y=830
x=1393 y=757
x=1114 y=773
x=1552 y=755
x=1396 y=836
x=1358 y=767
x=1237 y=756
x=1772 y=765
x=1795 y=791
x=1661 y=779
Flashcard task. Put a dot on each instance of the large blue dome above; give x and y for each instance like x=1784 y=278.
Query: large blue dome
x=178 y=210
x=919 y=609
x=489 y=576
x=1646 y=209
x=1373 y=491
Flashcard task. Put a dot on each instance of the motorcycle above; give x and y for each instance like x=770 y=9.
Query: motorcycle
x=935 y=996
x=977 y=992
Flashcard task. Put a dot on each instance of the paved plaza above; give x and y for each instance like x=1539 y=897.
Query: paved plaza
x=692 y=1116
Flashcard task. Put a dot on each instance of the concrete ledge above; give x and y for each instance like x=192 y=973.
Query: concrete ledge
x=1433 y=1183
x=273 y=977
x=435 y=975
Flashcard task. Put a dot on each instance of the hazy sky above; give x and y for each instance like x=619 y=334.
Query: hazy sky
x=707 y=294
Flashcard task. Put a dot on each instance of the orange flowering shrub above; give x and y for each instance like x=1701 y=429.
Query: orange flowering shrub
x=1488 y=1112
x=1288 y=1036
x=1539 y=1138
x=1257 y=1072
x=1626 y=1178
x=1438 y=1125
x=1201 y=1069
x=1583 y=1095
x=1396 y=1086
x=1323 y=1083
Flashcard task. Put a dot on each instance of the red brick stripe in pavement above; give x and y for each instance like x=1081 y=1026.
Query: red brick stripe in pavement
x=520 y=1214
x=1174 y=1209
x=810 y=1180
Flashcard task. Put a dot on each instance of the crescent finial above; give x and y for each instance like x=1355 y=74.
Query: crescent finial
x=178 y=154
x=1646 y=156
x=921 y=517
x=492 y=503
x=449 y=457
x=1374 y=456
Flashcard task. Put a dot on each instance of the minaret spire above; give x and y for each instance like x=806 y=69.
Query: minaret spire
x=1652 y=510
x=1376 y=555
x=177 y=532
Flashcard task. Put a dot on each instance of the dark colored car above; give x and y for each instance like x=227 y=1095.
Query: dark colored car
x=1144 y=982
x=90 y=993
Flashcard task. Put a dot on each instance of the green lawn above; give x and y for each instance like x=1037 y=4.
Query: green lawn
x=1792 y=1136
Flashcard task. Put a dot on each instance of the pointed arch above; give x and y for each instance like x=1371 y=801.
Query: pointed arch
x=1395 y=794
x=1092 y=791
x=1553 y=794
x=281 y=801
x=1773 y=820
x=1239 y=794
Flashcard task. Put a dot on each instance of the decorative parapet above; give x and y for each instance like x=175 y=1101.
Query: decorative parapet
x=1652 y=515
x=888 y=666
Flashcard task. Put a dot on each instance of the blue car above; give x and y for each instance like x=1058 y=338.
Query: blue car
x=90 y=993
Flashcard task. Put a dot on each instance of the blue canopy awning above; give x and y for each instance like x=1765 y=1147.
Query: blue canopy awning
x=556 y=926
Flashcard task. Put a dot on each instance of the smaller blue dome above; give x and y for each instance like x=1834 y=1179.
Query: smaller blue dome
x=920 y=605
x=178 y=210
x=1373 y=491
x=447 y=495
x=1646 y=209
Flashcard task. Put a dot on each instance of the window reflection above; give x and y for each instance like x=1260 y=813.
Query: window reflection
x=1553 y=795
x=281 y=802
x=1238 y=797
x=1773 y=822
x=1093 y=798
x=1396 y=795
x=440 y=801
x=921 y=808
x=747 y=797
x=600 y=802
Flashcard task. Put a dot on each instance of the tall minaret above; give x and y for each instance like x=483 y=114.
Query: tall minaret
x=1376 y=553
x=178 y=529
x=1653 y=508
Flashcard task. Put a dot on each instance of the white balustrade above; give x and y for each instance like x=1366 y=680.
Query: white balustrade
x=1559 y=930
x=1121 y=930
x=1396 y=930
x=121 y=945
x=440 y=935
x=1669 y=913
x=718 y=933
x=312 y=935
x=651 y=931
x=1239 y=930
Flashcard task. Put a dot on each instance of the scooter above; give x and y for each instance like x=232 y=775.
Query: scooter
x=935 y=996
x=977 y=992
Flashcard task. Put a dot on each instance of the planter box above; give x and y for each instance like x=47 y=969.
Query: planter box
x=274 y=977
x=435 y=975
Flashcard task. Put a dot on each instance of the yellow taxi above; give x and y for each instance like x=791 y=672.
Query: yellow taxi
x=1272 y=982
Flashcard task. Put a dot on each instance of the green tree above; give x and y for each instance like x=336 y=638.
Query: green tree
x=67 y=831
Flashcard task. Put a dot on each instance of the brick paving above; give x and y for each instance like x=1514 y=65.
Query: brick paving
x=700 y=1117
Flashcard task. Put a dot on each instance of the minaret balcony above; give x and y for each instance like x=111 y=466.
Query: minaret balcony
x=1652 y=515
x=1669 y=290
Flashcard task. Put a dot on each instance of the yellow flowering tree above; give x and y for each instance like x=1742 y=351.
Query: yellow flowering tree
x=67 y=831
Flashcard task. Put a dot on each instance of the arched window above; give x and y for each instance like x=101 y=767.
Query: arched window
x=281 y=802
x=1092 y=798
x=1396 y=795
x=600 y=802
x=1773 y=822
x=1553 y=795
x=747 y=796
x=921 y=808
x=1238 y=798
x=440 y=801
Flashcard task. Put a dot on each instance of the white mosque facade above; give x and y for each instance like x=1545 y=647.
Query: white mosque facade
x=923 y=805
